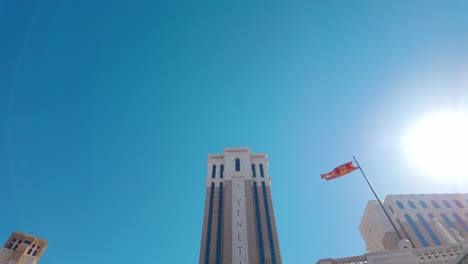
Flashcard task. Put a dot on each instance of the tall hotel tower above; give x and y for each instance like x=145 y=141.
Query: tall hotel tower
x=239 y=224
x=22 y=249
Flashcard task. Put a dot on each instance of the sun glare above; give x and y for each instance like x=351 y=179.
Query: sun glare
x=438 y=145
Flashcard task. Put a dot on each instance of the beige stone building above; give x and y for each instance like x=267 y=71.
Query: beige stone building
x=433 y=228
x=427 y=220
x=21 y=248
x=239 y=222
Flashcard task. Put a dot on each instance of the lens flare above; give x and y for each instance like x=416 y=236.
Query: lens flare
x=438 y=145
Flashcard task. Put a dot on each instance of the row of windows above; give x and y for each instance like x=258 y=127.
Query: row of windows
x=210 y=223
x=428 y=228
x=416 y=230
x=262 y=174
x=221 y=170
x=423 y=204
x=32 y=250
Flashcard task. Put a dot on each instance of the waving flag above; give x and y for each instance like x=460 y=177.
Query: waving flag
x=339 y=171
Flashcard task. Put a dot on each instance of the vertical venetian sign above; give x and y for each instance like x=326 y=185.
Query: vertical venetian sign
x=239 y=223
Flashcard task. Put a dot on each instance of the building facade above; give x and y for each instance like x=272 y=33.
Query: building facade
x=21 y=248
x=239 y=224
x=426 y=220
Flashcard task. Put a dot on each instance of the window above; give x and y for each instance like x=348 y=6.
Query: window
x=210 y=222
x=221 y=173
x=391 y=209
x=402 y=228
x=449 y=223
x=460 y=221
x=220 y=220
x=435 y=204
x=237 y=164
x=431 y=216
x=400 y=205
x=33 y=250
x=411 y=204
x=259 y=224
x=269 y=225
x=416 y=231
x=213 y=172
x=253 y=171
x=458 y=204
x=423 y=204
x=261 y=171
x=447 y=205
x=428 y=228
x=27 y=242
x=14 y=244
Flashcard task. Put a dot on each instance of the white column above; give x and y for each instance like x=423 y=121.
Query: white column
x=240 y=254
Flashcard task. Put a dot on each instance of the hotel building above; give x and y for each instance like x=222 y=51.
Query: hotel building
x=433 y=228
x=426 y=220
x=239 y=224
x=21 y=248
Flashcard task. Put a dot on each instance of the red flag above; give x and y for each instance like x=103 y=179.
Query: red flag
x=339 y=171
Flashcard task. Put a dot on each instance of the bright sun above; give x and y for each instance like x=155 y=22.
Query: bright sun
x=438 y=145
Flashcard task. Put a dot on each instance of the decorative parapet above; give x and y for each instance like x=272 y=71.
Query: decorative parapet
x=438 y=254
x=350 y=260
x=447 y=254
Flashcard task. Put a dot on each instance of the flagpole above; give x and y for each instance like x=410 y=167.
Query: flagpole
x=378 y=199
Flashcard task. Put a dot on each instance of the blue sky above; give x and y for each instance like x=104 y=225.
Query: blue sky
x=110 y=108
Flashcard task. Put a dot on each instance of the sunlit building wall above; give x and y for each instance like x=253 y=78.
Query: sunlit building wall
x=239 y=224
x=21 y=248
x=426 y=220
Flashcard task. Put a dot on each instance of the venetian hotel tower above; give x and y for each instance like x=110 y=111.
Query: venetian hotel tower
x=239 y=224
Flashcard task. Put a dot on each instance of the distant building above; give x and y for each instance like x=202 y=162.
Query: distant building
x=21 y=248
x=239 y=222
x=426 y=220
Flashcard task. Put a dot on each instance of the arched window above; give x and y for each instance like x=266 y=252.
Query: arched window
x=221 y=173
x=237 y=164
x=402 y=228
x=411 y=204
x=446 y=204
x=423 y=204
x=416 y=230
x=261 y=171
x=460 y=221
x=213 y=172
x=435 y=204
x=253 y=171
x=428 y=229
x=448 y=221
x=400 y=205
x=458 y=204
